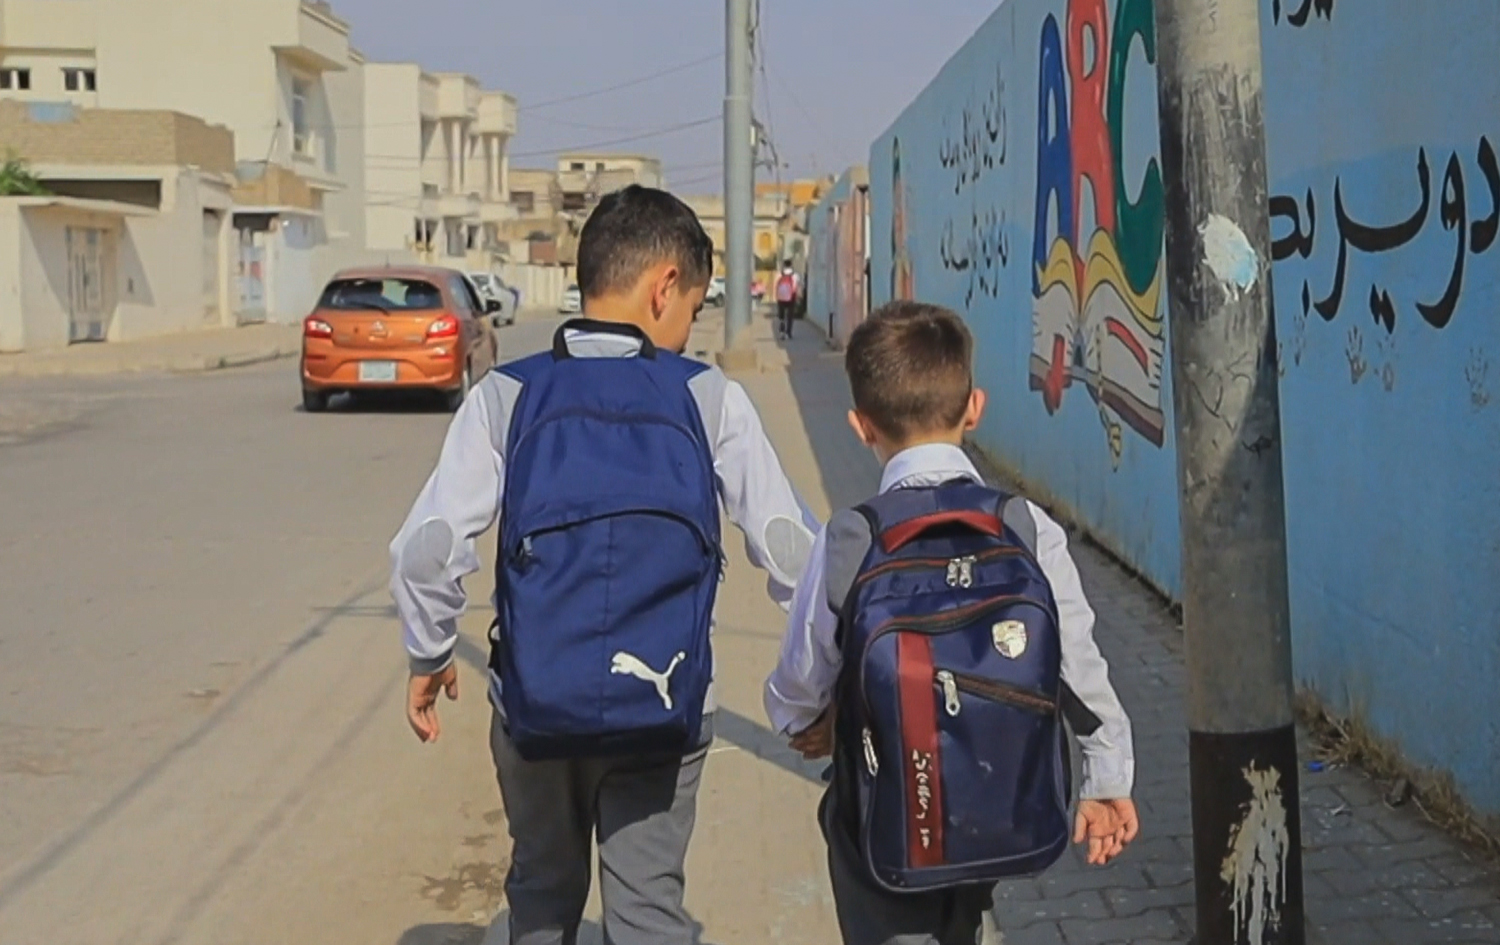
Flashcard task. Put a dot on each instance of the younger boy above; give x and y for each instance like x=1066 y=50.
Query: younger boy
x=607 y=425
x=910 y=370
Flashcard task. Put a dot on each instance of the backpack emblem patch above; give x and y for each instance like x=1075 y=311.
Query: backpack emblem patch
x=628 y=664
x=1010 y=638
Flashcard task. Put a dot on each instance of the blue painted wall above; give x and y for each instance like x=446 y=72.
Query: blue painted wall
x=1063 y=293
x=1388 y=115
x=1392 y=439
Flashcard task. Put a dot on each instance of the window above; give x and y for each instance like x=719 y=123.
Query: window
x=15 y=80
x=465 y=302
x=381 y=295
x=598 y=165
x=574 y=202
x=523 y=200
x=302 y=143
x=80 y=80
x=576 y=166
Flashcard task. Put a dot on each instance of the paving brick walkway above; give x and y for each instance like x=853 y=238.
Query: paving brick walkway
x=1375 y=876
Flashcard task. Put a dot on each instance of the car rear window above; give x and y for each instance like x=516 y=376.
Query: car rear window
x=387 y=295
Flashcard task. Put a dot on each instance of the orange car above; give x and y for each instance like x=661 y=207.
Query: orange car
x=395 y=329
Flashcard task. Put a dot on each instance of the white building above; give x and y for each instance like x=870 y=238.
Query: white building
x=279 y=74
x=436 y=165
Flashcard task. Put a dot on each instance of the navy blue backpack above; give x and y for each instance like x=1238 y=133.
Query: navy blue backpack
x=951 y=749
x=609 y=556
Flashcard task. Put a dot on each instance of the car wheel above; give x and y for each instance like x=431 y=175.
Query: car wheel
x=454 y=399
x=315 y=401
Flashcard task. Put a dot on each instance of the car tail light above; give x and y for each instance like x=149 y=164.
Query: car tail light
x=445 y=327
x=315 y=327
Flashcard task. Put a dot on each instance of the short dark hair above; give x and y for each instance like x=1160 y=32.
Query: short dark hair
x=911 y=368
x=634 y=229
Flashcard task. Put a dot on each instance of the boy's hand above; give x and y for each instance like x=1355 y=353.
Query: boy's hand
x=1107 y=826
x=421 y=701
x=816 y=741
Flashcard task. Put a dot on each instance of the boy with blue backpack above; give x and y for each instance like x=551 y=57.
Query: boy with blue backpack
x=604 y=460
x=939 y=647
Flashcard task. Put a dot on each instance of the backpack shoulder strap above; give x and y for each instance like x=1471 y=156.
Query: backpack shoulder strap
x=850 y=533
x=1015 y=512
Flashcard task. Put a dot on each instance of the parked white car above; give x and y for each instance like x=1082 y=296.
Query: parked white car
x=490 y=286
x=715 y=294
x=572 y=301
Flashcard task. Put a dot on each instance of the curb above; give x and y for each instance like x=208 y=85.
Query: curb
x=190 y=364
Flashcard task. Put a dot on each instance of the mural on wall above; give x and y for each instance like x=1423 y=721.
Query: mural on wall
x=978 y=147
x=1294 y=231
x=1097 y=284
x=902 y=284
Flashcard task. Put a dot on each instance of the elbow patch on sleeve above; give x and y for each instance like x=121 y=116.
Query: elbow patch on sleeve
x=424 y=559
x=788 y=542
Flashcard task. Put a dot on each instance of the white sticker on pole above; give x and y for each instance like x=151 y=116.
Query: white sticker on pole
x=1229 y=254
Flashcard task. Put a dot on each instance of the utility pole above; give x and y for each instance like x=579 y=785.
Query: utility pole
x=1242 y=743
x=739 y=174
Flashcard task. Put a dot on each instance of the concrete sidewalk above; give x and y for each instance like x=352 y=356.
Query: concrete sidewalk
x=188 y=352
x=757 y=874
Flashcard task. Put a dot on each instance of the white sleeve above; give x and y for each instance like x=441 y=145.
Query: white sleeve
x=801 y=686
x=759 y=498
x=1108 y=754
x=434 y=551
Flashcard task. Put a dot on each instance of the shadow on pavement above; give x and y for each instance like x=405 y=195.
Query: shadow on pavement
x=498 y=933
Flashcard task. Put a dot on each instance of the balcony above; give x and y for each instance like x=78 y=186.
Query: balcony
x=451 y=207
x=497 y=211
x=458 y=96
x=497 y=115
x=61 y=135
x=309 y=36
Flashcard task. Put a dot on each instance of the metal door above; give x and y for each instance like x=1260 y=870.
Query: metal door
x=86 y=297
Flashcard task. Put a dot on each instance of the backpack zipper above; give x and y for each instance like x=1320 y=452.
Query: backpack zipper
x=933 y=623
x=952 y=684
x=957 y=567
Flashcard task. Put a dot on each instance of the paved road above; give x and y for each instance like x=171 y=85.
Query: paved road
x=200 y=683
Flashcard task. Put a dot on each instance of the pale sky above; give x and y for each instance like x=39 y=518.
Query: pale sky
x=837 y=72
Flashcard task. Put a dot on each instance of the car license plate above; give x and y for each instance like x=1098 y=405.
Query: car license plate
x=377 y=372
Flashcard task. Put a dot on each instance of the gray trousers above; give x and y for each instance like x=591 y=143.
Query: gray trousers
x=641 y=810
x=868 y=915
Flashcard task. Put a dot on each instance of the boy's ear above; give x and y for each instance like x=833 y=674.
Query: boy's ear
x=975 y=410
x=862 y=428
x=664 y=282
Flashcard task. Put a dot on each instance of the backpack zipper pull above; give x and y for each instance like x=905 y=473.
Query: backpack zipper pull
x=961 y=571
x=950 y=692
x=871 y=761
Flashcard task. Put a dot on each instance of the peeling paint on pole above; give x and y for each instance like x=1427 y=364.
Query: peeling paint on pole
x=1255 y=867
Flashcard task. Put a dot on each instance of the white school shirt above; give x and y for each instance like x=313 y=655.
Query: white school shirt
x=802 y=684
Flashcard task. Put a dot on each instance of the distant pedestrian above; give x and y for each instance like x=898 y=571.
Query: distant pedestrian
x=788 y=288
x=938 y=640
x=605 y=460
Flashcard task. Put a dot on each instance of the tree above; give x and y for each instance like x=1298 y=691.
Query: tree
x=17 y=180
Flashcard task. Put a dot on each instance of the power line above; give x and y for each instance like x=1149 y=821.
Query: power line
x=629 y=83
x=670 y=129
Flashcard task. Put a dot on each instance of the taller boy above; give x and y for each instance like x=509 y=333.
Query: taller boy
x=604 y=460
